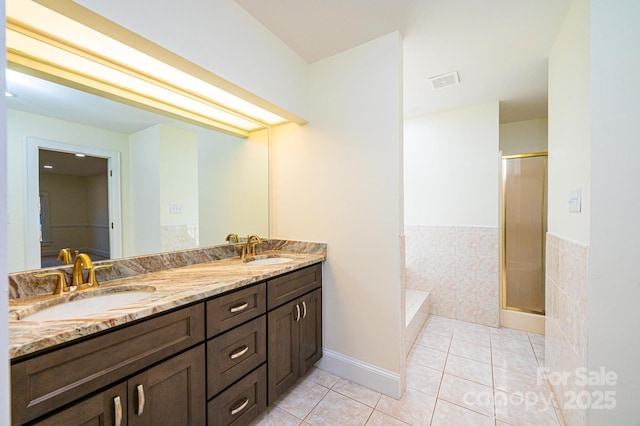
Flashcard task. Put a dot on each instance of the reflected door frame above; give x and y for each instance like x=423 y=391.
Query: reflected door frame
x=32 y=237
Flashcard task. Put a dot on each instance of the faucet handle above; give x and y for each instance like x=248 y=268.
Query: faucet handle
x=92 y=280
x=61 y=282
x=232 y=238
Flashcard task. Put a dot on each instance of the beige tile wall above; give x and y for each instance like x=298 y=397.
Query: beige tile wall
x=179 y=237
x=566 y=321
x=459 y=266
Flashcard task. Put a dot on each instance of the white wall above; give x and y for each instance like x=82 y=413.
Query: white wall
x=451 y=167
x=569 y=167
x=613 y=289
x=145 y=191
x=21 y=125
x=4 y=291
x=221 y=37
x=338 y=180
x=178 y=175
x=241 y=204
x=569 y=125
x=523 y=137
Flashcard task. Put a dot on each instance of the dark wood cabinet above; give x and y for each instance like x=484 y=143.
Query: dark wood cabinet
x=240 y=403
x=46 y=382
x=310 y=330
x=294 y=333
x=235 y=353
x=171 y=393
x=164 y=371
x=108 y=407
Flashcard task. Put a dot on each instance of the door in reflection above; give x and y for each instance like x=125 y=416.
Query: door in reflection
x=524 y=230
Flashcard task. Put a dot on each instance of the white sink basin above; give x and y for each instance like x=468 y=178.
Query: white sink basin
x=82 y=308
x=268 y=261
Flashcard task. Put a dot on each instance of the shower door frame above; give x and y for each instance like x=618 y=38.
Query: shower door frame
x=504 y=233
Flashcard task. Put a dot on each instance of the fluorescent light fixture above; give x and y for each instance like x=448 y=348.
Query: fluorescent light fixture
x=51 y=43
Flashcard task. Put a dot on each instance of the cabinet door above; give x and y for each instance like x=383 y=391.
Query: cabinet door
x=283 y=349
x=310 y=330
x=171 y=393
x=105 y=408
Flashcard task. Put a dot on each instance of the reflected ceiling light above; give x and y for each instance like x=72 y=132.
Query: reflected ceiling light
x=79 y=154
x=9 y=94
x=57 y=46
x=46 y=166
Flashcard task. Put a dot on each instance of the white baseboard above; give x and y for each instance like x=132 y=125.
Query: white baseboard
x=360 y=372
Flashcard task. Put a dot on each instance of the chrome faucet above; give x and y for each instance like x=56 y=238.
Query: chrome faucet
x=82 y=262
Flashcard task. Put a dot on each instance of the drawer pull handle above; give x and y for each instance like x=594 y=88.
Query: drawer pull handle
x=240 y=407
x=239 y=308
x=304 y=310
x=297 y=313
x=238 y=353
x=140 y=389
x=117 y=411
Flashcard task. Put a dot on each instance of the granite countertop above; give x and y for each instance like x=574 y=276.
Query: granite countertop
x=173 y=288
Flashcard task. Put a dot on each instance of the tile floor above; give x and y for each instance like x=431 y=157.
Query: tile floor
x=458 y=373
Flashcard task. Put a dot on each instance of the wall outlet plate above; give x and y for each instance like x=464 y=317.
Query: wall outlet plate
x=175 y=208
x=575 y=200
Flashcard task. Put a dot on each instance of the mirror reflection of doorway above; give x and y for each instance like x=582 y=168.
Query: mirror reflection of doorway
x=524 y=232
x=74 y=205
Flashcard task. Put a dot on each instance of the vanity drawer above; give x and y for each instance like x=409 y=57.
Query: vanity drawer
x=294 y=284
x=242 y=402
x=41 y=384
x=235 y=353
x=225 y=312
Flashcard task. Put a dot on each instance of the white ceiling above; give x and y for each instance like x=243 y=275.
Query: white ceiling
x=499 y=47
x=317 y=29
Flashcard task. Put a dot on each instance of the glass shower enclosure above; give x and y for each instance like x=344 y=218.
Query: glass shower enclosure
x=523 y=230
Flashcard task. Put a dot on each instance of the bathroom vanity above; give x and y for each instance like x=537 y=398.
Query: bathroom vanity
x=193 y=353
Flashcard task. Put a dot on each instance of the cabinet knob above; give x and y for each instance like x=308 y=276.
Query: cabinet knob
x=117 y=411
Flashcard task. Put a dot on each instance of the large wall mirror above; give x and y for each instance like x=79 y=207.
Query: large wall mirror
x=160 y=184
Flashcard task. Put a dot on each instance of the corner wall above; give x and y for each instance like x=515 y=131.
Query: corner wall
x=451 y=211
x=568 y=233
x=338 y=180
x=613 y=284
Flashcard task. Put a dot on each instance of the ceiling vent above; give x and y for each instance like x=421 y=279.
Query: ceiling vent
x=445 y=80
